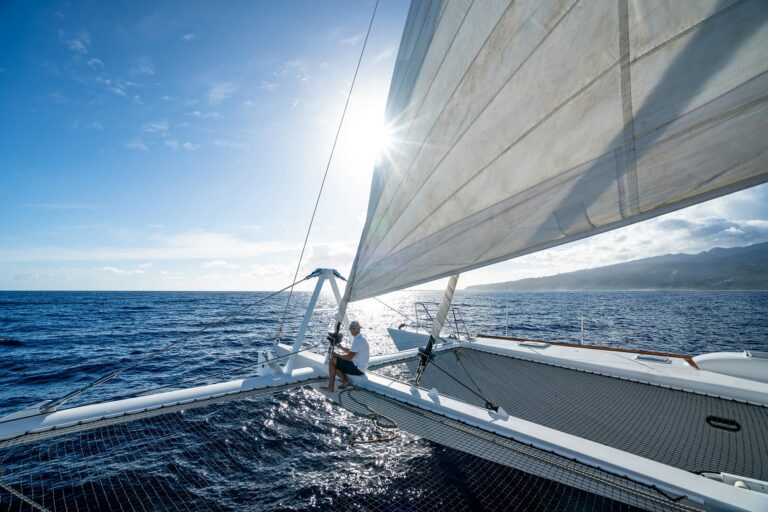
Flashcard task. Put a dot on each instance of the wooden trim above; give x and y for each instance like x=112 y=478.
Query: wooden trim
x=688 y=359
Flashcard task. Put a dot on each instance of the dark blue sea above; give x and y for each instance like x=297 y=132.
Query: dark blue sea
x=289 y=451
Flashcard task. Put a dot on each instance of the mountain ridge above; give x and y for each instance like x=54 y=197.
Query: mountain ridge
x=736 y=268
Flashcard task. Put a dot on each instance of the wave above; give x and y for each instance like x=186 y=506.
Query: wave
x=11 y=343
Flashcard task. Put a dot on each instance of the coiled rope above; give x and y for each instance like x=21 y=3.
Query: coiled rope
x=375 y=419
x=327 y=167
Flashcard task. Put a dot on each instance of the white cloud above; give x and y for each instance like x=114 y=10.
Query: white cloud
x=136 y=144
x=267 y=271
x=117 y=87
x=186 y=146
x=204 y=115
x=118 y=270
x=229 y=144
x=161 y=126
x=220 y=264
x=351 y=41
x=221 y=91
x=97 y=125
x=384 y=54
x=189 y=37
x=96 y=64
x=113 y=270
x=268 y=86
x=80 y=43
x=144 y=66
x=735 y=220
x=296 y=67
x=182 y=246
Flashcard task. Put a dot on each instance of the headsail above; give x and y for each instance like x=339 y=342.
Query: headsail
x=524 y=125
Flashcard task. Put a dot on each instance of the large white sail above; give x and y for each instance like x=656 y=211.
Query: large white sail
x=524 y=125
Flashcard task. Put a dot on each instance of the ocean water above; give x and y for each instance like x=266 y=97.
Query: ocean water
x=290 y=451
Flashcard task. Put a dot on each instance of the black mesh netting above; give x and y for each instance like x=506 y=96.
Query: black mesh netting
x=289 y=451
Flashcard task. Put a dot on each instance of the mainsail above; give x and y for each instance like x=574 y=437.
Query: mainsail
x=524 y=125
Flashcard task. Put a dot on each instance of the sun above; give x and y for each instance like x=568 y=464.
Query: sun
x=367 y=135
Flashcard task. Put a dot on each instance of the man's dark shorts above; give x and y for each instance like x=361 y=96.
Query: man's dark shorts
x=347 y=367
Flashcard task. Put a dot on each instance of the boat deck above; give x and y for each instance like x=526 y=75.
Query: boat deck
x=694 y=432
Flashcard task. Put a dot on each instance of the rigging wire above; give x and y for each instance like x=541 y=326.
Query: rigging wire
x=206 y=377
x=488 y=404
x=58 y=402
x=327 y=167
x=395 y=310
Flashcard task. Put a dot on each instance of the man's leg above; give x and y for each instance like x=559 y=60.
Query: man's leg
x=344 y=379
x=331 y=373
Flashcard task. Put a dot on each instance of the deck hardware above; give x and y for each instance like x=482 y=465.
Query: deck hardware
x=726 y=424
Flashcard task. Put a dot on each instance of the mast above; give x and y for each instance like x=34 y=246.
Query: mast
x=437 y=326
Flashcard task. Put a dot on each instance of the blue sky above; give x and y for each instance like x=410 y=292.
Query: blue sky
x=180 y=145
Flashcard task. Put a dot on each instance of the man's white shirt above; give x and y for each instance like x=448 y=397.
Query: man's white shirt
x=362 y=352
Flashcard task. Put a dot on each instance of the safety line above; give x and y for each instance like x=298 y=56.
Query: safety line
x=58 y=402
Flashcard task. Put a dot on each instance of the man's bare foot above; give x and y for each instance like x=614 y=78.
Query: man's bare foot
x=345 y=384
x=329 y=389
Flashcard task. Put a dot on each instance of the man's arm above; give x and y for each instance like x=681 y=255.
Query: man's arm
x=348 y=356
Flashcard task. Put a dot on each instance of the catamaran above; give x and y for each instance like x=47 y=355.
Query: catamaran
x=522 y=126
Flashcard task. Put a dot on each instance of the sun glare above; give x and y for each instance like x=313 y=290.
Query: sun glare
x=367 y=135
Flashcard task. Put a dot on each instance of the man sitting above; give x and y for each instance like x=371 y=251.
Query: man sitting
x=351 y=361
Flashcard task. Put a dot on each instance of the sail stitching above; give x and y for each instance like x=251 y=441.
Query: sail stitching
x=632 y=61
x=412 y=62
x=448 y=101
x=554 y=181
x=437 y=69
x=503 y=152
x=480 y=113
x=637 y=136
x=629 y=199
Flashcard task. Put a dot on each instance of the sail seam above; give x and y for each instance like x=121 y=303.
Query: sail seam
x=626 y=168
x=688 y=30
x=411 y=62
x=505 y=151
x=480 y=113
x=558 y=179
x=639 y=57
x=447 y=102
x=735 y=187
x=426 y=93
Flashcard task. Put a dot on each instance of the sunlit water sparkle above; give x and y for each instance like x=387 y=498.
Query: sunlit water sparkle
x=54 y=342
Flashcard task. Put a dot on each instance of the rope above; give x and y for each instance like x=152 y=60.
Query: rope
x=106 y=378
x=327 y=167
x=488 y=404
x=469 y=375
x=175 y=384
x=375 y=419
x=23 y=498
x=194 y=379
